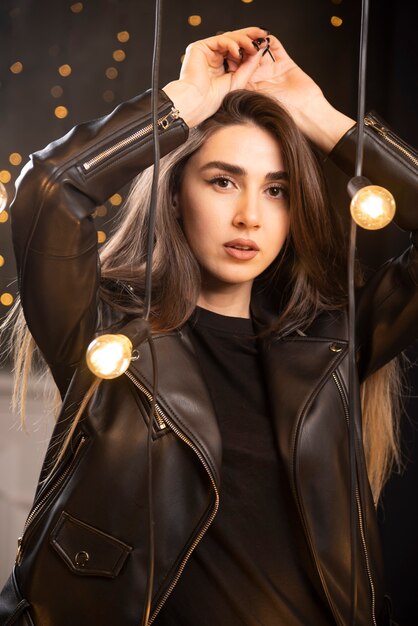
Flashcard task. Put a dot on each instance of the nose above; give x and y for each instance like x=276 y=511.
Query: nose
x=247 y=211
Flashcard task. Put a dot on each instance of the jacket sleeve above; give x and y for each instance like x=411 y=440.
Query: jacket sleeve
x=387 y=305
x=54 y=235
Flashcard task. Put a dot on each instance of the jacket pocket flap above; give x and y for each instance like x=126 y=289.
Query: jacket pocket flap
x=87 y=550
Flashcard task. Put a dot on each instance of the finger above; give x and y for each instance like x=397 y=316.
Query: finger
x=234 y=43
x=246 y=69
x=253 y=32
x=277 y=47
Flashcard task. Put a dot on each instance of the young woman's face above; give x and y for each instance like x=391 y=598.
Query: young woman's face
x=233 y=203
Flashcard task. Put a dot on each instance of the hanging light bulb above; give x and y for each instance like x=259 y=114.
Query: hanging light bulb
x=109 y=356
x=3 y=197
x=372 y=207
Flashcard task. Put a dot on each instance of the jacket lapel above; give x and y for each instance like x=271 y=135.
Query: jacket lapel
x=182 y=393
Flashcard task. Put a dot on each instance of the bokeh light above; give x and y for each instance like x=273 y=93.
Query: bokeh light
x=16 y=67
x=194 y=20
x=15 y=158
x=61 y=112
x=64 y=70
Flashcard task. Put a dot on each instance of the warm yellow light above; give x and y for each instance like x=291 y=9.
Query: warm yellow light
x=336 y=21
x=111 y=73
x=116 y=199
x=5 y=176
x=123 y=36
x=4 y=216
x=16 y=67
x=373 y=207
x=194 y=20
x=6 y=299
x=247 y=1
x=61 y=112
x=119 y=55
x=101 y=236
x=64 y=70
x=3 y=201
x=109 y=356
x=15 y=158
x=1 y=260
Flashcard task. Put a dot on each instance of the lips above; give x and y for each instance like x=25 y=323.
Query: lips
x=243 y=249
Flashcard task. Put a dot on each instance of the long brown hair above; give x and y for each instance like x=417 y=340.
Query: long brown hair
x=307 y=277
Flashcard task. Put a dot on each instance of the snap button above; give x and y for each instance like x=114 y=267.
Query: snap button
x=82 y=558
x=335 y=347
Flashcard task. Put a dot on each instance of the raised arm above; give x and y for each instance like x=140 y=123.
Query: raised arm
x=387 y=306
x=54 y=235
x=284 y=80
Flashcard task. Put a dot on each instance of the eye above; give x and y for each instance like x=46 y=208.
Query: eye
x=222 y=182
x=278 y=191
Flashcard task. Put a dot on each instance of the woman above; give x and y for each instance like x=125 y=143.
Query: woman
x=251 y=477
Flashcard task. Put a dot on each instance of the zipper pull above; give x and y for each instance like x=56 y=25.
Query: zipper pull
x=18 y=559
x=379 y=128
x=165 y=122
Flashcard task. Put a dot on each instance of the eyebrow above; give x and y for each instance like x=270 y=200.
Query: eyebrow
x=240 y=171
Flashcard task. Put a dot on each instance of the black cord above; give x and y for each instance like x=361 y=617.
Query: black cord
x=156 y=145
x=353 y=387
x=147 y=302
x=151 y=544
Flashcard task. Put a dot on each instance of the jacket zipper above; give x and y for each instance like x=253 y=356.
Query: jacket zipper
x=36 y=511
x=158 y=414
x=390 y=138
x=163 y=123
x=212 y=515
x=359 y=510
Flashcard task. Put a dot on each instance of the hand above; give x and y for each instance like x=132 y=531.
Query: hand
x=301 y=96
x=204 y=82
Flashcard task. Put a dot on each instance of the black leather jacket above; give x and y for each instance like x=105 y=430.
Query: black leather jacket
x=83 y=556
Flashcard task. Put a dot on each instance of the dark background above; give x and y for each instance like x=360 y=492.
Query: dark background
x=43 y=35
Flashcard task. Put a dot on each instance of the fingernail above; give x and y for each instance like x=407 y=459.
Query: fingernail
x=256 y=46
x=241 y=52
x=260 y=40
x=226 y=66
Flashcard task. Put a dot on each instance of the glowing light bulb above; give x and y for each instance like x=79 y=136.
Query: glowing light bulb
x=109 y=356
x=3 y=197
x=373 y=207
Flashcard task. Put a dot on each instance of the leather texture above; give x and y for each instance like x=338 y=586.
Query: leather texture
x=84 y=552
x=14 y=610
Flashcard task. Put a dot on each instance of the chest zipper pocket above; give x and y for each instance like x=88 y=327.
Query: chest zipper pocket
x=117 y=148
x=46 y=496
x=389 y=137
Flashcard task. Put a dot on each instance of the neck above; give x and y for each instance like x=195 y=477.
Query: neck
x=231 y=300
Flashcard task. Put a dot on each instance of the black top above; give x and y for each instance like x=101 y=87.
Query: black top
x=246 y=570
